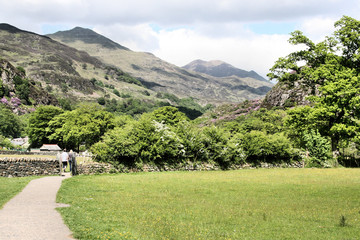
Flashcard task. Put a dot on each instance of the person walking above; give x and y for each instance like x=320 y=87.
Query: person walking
x=64 y=159
x=72 y=162
x=71 y=158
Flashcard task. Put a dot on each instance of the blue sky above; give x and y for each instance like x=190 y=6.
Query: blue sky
x=247 y=34
x=270 y=27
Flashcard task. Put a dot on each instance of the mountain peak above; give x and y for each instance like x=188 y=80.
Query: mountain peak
x=219 y=68
x=87 y=36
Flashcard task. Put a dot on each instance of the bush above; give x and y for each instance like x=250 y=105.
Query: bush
x=116 y=92
x=318 y=147
x=138 y=142
x=101 y=100
x=261 y=147
x=5 y=143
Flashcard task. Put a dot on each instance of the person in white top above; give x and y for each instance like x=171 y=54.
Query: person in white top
x=64 y=159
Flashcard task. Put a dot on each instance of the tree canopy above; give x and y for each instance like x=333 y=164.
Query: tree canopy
x=330 y=67
x=38 y=123
x=84 y=125
x=10 y=125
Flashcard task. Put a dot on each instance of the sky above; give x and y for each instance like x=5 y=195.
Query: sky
x=250 y=35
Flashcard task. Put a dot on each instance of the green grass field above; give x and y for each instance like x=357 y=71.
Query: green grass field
x=9 y=187
x=244 y=204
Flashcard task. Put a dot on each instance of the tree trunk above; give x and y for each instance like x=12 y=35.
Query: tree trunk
x=334 y=143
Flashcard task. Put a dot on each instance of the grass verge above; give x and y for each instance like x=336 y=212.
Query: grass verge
x=9 y=187
x=244 y=204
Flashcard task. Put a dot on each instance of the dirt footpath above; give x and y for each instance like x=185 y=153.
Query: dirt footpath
x=31 y=214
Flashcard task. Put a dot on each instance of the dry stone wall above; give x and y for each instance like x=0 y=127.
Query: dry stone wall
x=51 y=153
x=98 y=168
x=22 y=167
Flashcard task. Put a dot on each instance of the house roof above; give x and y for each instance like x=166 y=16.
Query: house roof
x=50 y=147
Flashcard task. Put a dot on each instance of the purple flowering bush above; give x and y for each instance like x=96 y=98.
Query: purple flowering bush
x=4 y=101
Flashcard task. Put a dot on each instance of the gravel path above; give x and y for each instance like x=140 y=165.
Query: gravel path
x=31 y=214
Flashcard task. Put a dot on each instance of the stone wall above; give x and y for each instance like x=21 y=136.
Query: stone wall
x=52 y=153
x=97 y=168
x=22 y=167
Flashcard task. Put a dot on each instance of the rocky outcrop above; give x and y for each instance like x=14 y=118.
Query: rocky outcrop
x=8 y=90
x=285 y=94
x=8 y=73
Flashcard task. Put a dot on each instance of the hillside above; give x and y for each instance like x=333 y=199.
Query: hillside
x=219 y=68
x=63 y=70
x=18 y=93
x=162 y=76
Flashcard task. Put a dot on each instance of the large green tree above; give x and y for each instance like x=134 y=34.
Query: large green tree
x=84 y=125
x=10 y=125
x=332 y=68
x=38 y=122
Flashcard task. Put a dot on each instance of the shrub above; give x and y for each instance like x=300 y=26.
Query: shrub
x=318 y=148
x=101 y=100
x=261 y=147
x=116 y=92
x=5 y=143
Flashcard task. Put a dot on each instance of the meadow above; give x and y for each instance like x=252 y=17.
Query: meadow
x=242 y=204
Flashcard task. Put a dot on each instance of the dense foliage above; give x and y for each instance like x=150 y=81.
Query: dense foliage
x=10 y=124
x=84 y=125
x=167 y=137
x=130 y=105
x=132 y=132
x=38 y=124
x=331 y=67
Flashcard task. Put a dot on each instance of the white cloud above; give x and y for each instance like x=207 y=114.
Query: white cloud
x=256 y=53
x=138 y=38
x=188 y=29
x=317 y=28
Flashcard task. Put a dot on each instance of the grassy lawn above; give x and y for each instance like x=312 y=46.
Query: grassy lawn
x=9 y=187
x=244 y=204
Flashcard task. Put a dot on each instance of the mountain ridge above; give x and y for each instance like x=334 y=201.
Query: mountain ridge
x=218 y=68
x=63 y=70
x=161 y=76
x=88 y=36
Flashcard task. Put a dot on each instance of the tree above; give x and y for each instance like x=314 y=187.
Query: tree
x=169 y=115
x=86 y=124
x=10 y=125
x=333 y=67
x=38 y=122
x=6 y=143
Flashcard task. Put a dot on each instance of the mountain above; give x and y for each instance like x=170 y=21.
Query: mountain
x=62 y=70
x=87 y=36
x=218 y=68
x=161 y=76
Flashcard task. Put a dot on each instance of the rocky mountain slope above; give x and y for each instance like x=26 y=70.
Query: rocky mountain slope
x=289 y=94
x=161 y=76
x=219 y=68
x=19 y=93
x=62 y=70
